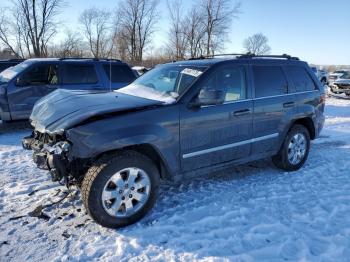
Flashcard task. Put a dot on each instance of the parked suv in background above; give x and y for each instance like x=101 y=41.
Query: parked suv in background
x=322 y=75
x=178 y=120
x=342 y=84
x=23 y=85
x=6 y=63
x=334 y=76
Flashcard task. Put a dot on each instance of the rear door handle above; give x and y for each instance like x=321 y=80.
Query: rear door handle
x=288 y=104
x=241 y=112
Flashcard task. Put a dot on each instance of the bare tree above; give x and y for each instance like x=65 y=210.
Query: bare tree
x=137 y=20
x=121 y=48
x=98 y=31
x=195 y=32
x=257 y=44
x=30 y=27
x=218 y=15
x=6 y=32
x=177 y=35
x=71 y=46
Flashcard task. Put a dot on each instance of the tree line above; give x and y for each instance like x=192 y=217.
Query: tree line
x=29 y=28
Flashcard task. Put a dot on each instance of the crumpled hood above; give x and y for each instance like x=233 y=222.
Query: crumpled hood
x=63 y=109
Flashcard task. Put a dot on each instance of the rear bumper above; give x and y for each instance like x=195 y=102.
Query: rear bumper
x=320 y=125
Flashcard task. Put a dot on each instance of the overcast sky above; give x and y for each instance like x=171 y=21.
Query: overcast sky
x=317 y=31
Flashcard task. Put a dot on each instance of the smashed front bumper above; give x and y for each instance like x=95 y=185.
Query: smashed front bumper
x=52 y=157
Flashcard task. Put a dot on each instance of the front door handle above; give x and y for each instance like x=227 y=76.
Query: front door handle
x=288 y=104
x=241 y=112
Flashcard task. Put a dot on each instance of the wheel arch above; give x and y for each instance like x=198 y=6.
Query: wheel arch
x=149 y=151
x=308 y=123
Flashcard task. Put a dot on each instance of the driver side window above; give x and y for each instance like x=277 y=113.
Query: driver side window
x=40 y=75
x=230 y=80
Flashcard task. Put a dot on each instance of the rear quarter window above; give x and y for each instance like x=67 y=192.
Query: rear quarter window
x=300 y=78
x=119 y=73
x=269 y=81
x=79 y=74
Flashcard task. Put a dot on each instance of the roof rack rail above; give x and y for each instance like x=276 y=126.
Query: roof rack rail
x=216 y=55
x=232 y=54
x=90 y=58
x=12 y=60
x=284 y=56
x=247 y=55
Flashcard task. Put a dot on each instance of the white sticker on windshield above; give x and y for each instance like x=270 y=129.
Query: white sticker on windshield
x=191 y=72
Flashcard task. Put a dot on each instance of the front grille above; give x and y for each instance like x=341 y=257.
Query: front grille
x=343 y=86
x=47 y=138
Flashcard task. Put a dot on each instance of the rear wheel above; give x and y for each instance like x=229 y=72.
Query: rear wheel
x=295 y=149
x=120 y=190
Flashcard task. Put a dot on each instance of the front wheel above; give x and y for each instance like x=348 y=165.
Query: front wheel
x=295 y=149
x=120 y=190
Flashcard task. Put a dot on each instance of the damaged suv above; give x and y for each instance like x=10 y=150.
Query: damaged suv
x=178 y=120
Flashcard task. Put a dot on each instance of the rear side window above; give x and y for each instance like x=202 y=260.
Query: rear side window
x=119 y=73
x=269 y=81
x=300 y=79
x=79 y=74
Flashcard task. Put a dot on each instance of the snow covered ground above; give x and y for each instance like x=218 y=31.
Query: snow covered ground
x=247 y=213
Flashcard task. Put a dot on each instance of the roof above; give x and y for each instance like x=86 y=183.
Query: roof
x=209 y=61
x=200 y=62
x=12 y=60
x=74 y=59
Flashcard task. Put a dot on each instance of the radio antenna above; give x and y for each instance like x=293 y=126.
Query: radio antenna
x=110 y=75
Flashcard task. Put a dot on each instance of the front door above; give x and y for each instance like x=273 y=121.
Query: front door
x=218 y=133
x=33 y=84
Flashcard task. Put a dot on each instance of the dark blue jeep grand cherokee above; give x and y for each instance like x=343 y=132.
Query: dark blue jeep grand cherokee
x=179 y=119
x=24 y=84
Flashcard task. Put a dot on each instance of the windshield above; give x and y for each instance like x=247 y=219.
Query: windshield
x=339 y=72
x=11 y=72
x=164 y=83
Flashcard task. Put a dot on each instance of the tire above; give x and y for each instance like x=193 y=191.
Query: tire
x=282 y=160
x=97 y=187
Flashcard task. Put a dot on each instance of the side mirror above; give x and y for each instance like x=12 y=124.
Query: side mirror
x=21 y=82
x=209 y=97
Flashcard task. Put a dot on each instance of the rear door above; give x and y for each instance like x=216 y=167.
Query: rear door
x=80 y=76
x=33 y=84
x=218 y=133
x=273 y=106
